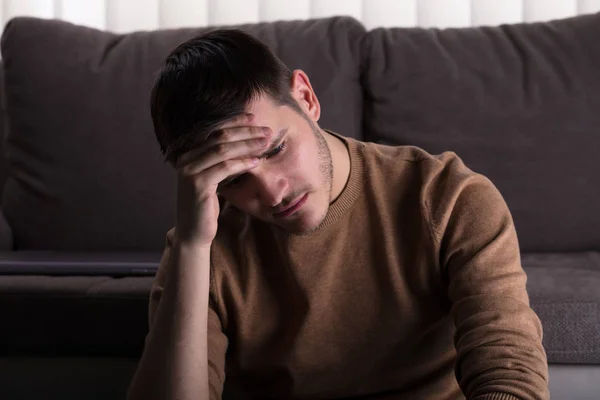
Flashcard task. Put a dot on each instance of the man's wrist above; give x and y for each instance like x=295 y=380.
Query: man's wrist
x=190 y=245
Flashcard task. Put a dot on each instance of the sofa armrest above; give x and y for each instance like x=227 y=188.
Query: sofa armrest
x=6 y=234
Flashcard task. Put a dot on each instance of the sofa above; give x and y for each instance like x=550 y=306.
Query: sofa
x=82 y=174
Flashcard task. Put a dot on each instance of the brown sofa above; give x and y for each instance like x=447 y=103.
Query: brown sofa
x=82 y=172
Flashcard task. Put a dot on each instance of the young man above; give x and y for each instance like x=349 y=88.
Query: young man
x=306 y=265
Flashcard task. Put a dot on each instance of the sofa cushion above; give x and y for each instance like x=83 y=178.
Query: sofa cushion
x=3 y=162
x=519 y=103
x=563 y=290
x=102 y=315
x=73 y=315
x=87 y=173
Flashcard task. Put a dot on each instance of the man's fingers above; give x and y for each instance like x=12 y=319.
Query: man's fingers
x=218 y=173
x=238 y=133
x=239 y=128
x=223 y=152
x=218 y=138
x=242 y=119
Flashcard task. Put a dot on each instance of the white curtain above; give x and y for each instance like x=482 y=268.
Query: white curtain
x=131 y=15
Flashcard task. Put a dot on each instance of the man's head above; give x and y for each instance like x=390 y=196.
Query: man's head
x=211 y=79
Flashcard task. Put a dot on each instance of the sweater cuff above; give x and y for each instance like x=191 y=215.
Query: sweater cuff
x=496 y=396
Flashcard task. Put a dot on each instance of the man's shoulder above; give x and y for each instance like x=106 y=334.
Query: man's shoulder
x=392 y=156
x=438 y=177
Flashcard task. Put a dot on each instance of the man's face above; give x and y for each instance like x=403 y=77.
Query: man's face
x=291 y=186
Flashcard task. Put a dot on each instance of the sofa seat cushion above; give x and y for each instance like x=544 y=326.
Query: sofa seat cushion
x=73 y=315
x=103 y=315
x=563 y=290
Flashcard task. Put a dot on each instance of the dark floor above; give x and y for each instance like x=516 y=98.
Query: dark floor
x=108 y=379
x=65 y=378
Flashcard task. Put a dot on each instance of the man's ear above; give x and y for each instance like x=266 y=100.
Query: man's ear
x=302 y=91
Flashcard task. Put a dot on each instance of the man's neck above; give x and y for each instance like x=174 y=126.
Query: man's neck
x=340 y=158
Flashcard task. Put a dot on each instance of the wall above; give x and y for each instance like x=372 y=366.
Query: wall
x=129 y=15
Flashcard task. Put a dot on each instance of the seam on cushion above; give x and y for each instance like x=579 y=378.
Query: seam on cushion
x=95 y=285
x=72 y=296
x=567 y=302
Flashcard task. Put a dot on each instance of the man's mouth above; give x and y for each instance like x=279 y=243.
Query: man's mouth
x=295 y=206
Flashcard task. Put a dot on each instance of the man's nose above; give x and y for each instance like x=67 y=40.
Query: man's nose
x=270 y=188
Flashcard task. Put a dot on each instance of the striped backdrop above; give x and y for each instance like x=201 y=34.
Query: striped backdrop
x=130 y=15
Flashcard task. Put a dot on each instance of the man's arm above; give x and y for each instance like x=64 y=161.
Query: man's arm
x=185 y=348
x=498 y=336
x=184 y=354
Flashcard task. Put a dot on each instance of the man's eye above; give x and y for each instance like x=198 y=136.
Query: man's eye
x=277 y=150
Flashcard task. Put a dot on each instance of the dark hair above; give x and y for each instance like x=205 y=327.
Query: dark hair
x=209 y=79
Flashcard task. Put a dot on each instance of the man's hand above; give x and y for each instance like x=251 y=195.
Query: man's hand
x=228 y=151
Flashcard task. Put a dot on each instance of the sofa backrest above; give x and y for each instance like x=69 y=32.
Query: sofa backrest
x=87 y=173
x=519 y=103
x=3 y=163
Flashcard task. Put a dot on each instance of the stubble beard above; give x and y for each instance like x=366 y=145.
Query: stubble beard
x=325 y=161
x=326 y=172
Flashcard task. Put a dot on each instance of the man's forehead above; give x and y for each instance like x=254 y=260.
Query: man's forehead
x=265 y=111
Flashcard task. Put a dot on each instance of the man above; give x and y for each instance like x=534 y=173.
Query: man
x=306 y=265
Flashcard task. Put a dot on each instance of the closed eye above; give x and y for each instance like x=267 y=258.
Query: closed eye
x=276 y=150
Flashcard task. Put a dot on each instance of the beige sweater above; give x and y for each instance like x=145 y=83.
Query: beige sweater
x=412 y=288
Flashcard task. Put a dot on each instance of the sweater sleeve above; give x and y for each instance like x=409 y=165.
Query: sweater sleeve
x=217 y=341
x=498 y=336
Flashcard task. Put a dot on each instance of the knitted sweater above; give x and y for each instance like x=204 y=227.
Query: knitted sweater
x=411 y=288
